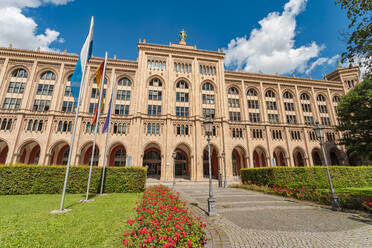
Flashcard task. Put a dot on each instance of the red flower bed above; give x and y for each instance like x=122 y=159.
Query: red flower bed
x=164 y=221
x=317 y=195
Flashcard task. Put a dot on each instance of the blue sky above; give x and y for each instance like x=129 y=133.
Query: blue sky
x=292 y=39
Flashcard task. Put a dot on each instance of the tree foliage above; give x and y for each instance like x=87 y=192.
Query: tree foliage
x=355 y=117
x=359 y=12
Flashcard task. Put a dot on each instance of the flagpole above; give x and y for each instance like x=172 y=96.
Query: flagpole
x=107 y=138
x=97 y=125
x=82 y=84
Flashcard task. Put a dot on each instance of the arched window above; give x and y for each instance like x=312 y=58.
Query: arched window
x=182 y=85
x=233 y=91
x=40 y=127
x=156 y=82
x=208 y=86
x=69 y=126
x=88 y=128
x=252 y=92
x=336 y=99
x=305 y=96
x=48 y=75
x=35 y=126
x=124 y=82
x=287 y=95
x=321 y=98
x=60 y=125
x=29 y=127
x=65 y=126
x=20 y=73
x=270 y=93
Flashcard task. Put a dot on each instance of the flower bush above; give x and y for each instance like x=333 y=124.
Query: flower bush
x=163 y=221
x=349 y=201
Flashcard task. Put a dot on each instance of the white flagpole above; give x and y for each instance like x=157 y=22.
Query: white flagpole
x=81 y=93
x=107 y=136
x=97 y=125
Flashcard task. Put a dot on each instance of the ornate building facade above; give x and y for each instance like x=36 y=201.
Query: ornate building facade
x=159 y=108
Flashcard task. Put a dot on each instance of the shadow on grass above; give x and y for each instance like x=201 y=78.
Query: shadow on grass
x=90 y=197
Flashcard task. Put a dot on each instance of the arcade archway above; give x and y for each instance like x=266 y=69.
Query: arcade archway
x=238 y=160
x=299 y=157
x=182 y=161
x=30 y=153
x=3 y=151
x=86 y=154
x=259 y=157
x=214 y=162
x=152 y=161
x=118 y=155
x=59 y=154
x=279 y=156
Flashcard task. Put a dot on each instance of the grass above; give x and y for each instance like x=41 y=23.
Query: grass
x=25 y=220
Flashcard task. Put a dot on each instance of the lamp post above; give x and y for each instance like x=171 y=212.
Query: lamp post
x=208 y=123
x=319 y=132
x=174 y=155
x=224 y=169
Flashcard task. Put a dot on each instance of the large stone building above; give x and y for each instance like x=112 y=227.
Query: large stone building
x=259 y=120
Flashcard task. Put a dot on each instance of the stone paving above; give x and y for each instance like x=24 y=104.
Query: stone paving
x=252 y=219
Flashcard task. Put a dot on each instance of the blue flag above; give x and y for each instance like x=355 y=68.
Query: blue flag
x=85 y=54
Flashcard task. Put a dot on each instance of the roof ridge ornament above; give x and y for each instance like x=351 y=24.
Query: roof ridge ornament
x=183 y=36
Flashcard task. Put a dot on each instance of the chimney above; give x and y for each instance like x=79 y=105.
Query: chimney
x=10 y=45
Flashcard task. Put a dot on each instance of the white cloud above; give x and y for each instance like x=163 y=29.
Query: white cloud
x=271 y=48
x=321 y=61
x=21 y=31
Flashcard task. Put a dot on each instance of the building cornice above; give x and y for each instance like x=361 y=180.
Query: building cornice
x=247 y=76
x=29 y=55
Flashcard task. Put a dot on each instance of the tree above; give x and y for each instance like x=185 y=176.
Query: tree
x=359 y=12
x=355 y=117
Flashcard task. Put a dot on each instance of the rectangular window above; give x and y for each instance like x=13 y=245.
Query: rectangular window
x=234 y=103
x=234 y=116
x=155 y=95
x=182 y=111
x=271 y=105
x=12 y=103
x=306 y=107
x=273 y=118
x=323 y=109
x=123 y=95
x=121 y=109
x=253 y=104
x=182 y=97
x=68 y=91
x=208 y=112
x=291 y=119
x=254 y=117
x=154 y=109
x=45 y=89
x=41 y=105
x=325 y=121
x=16 y=87
x=208 y=99
x=309 y=120
x=289 y=106
x=68 y=106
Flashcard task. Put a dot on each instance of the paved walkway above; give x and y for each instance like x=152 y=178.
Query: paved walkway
x=252 y=219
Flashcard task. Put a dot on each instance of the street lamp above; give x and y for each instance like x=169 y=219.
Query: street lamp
x=174 y=155
x=319 y=132
x=208 y=124
x=224 y=169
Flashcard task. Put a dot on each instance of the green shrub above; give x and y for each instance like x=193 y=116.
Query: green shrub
x=35 y=179
x=293 y=177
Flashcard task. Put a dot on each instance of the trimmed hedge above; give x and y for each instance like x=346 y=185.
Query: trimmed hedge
x=294 y=177
x=35 y=179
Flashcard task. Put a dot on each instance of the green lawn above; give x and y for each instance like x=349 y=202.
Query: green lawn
x=25 y=220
